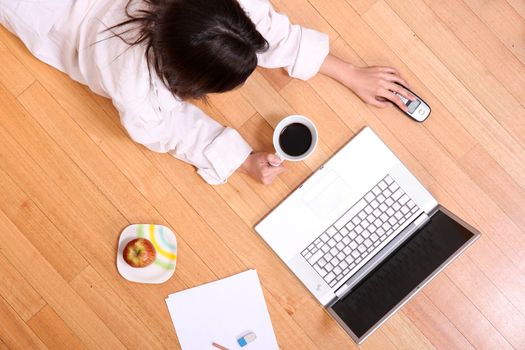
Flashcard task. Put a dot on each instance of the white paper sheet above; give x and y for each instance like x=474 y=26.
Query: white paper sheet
x=220 y=312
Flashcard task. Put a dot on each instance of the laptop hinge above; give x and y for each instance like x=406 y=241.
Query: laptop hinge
x=379 y=257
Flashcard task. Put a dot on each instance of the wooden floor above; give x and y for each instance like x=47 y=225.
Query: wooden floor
x=71 y=180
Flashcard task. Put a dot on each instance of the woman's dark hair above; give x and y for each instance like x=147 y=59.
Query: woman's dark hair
x=195 y=46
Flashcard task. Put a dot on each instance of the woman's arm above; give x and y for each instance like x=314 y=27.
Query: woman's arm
x=374 y=85
x=166 y=125
x=304 y=52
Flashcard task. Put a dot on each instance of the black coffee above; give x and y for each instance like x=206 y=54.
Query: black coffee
x=295 y=139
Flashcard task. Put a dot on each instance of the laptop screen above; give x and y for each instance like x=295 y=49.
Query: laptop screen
x=400 y=273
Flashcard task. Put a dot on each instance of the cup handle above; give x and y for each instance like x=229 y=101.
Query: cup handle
x=276 y=164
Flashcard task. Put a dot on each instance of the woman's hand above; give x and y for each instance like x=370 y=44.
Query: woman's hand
x=374 y=85
x=258 y=166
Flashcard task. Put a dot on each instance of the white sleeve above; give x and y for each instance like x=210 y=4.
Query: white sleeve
x=187 y=133
x=301 y=51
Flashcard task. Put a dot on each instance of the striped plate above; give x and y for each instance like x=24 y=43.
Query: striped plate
x=165 y=244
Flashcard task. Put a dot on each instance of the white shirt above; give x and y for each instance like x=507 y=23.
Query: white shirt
x=67 y=35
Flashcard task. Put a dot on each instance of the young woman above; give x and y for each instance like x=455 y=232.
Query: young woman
x=151 y=56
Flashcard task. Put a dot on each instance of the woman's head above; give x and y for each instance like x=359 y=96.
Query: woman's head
x=196 y=46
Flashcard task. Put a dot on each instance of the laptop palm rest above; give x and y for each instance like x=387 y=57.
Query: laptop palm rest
x=323 y=198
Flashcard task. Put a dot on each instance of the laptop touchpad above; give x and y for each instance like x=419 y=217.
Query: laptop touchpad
x=327 y=195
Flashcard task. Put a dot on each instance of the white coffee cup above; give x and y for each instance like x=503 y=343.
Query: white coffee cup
x=302 y=143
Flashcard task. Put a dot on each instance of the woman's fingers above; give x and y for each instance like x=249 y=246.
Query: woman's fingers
x=389 y=70
x=380 y=102
x=257 y=165
x=401 y=90
x=395 y=79
x=393 y=75
x=380 y=86
x=270 y=173
x=394 y=99
x=273 y=160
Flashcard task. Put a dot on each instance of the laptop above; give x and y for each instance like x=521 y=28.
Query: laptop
x=363 y=235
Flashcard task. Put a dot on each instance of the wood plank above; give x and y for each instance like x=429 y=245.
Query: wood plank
x=202 y=240
x=511 y=166
x=483 y=44
x=465 y=316
x=468 y=110
x=471 y=275
x=278 y=78
x=423 y=156
x=14 y=333
x=37 y=228
x=502 y=231
x=519 y=7
x=330 y=94
x=436 y=327
x=22 y=208
x=55 y=290
x=424 y=17
x=503 y=273
x=230 y=228
x=17 y=292
x=504 y=21
x=287 y=330
x=400 y=324
x=373 y=51
x=86 y=111
x=482 y=85
x=498 y=310
x=239 y=185
x=171 y=209
x=361 y=6
x=496 y=182
x=53 y=331
x=121 y=319
x=101 y=251
x=220 y=253
x=302 y=12
x=266 y=101
x=304 y=100
x=189 y=227
x=492 y=261
x=328 y=335
x=243 y=199
x=357 y=115
x=98 y=166
x=274 y=276
x=288 y=333
x=12 y=74
x=469 y=154
x=233 y=106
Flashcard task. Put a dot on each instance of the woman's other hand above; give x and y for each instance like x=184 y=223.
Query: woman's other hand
x=258 y=165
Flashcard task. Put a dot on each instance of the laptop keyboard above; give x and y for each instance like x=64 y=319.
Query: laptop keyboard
x=359 y=231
